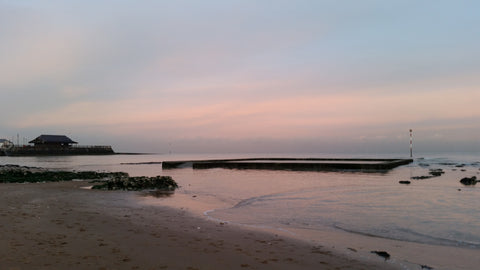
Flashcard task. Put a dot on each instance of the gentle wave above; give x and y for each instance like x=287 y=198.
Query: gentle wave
x=405 y=234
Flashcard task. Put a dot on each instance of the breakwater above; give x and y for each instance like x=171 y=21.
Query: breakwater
x=297 y=164
x=56 y=151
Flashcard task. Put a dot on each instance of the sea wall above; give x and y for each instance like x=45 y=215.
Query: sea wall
x=54 y=151
x=308 y=164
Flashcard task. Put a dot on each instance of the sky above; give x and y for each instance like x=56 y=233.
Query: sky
x=243 y=76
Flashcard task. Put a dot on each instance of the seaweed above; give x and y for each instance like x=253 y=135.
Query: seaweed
x=28 y=176
x=138 y=183
x=108 y=180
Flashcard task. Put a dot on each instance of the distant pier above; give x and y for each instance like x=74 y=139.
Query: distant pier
x=58 y=151
x=53 y=145
x=294 y=164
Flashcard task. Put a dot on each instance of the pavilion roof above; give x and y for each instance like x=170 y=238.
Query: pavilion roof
x=52 y=139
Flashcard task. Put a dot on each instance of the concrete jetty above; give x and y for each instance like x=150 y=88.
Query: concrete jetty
x=294 y=164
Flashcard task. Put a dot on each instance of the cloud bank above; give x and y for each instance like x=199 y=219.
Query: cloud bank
x=236 y=76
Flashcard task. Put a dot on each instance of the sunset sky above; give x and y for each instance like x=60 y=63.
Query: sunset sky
x=243 y=76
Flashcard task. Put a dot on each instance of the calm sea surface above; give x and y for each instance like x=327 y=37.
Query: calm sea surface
x=439 y=211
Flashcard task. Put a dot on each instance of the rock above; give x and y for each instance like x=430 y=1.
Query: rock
x=383 y=254
x=432 y=172
x=404 y=182
x=421 y=177
x=138 y=183
x=436 y=172
x=469 y=180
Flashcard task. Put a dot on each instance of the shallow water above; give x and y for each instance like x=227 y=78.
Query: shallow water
x=432 y=211
x=436 y=211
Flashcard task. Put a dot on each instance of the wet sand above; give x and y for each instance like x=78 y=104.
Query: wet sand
x=61 y=226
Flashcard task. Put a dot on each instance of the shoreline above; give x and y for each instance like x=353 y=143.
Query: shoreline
x=61 y=225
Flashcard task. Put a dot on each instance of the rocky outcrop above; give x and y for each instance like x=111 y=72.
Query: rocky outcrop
x=138 y=183
x=19 y=174
x=432 y=173
x=469 y=180
x=104 y=180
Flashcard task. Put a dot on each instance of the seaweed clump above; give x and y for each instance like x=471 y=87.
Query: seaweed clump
x=107 y=180
x=138 y=183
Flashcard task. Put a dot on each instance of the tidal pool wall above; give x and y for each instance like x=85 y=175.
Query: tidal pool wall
x=298 y=164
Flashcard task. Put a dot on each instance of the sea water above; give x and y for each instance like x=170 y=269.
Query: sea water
x=436 y=211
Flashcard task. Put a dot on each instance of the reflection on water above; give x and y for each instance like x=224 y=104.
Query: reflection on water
x=158 y=193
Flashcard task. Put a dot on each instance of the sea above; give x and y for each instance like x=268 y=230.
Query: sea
x=436 y=212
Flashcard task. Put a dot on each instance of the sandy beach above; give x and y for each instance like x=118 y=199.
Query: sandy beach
x=62 y=226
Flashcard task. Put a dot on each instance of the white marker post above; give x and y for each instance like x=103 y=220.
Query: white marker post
x=411 y=144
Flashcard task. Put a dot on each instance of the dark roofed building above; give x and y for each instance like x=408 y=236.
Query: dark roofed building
x=55 y=145
x=53 y=140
